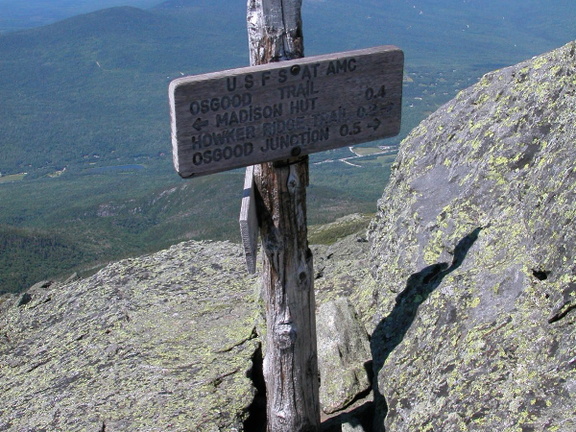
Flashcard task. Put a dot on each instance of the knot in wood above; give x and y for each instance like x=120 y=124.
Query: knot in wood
x=285 y=335
x=293 y=179
x=292 y=183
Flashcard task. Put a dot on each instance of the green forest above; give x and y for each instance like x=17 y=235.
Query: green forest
x=86 y=174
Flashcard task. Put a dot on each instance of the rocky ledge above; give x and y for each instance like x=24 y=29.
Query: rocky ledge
x=165 y=342
x=474 y=257
x=158 y=343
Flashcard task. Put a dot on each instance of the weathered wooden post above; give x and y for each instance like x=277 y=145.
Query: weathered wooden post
x=290 y=362
x=269 y=117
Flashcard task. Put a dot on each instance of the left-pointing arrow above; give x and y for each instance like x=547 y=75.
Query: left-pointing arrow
x=199 y=124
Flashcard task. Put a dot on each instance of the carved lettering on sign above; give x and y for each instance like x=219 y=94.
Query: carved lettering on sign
x=241 y=117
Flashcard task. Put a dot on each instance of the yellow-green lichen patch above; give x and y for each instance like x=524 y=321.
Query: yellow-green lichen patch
x=151 y=344
x=479 y=335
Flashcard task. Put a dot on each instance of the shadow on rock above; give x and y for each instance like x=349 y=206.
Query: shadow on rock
x=359 y=419
x=392 y=329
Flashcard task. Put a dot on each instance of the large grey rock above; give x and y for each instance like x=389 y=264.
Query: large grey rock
x=474 y=255
x=342 y=270
x=344 y=355
x=158 y=343
x=161 y=342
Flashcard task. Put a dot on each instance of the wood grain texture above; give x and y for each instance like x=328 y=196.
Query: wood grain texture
x=290 y=363
x=274 y=30
x=249 y=221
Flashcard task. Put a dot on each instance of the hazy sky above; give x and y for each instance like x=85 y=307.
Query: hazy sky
x=80 y=4
x=19 y=14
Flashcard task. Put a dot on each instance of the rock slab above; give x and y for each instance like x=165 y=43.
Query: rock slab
x=158 y=343
x=474 y=257
x=343 y=355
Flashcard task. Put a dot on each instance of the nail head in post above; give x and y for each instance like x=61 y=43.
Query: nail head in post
x=295 y=70
x=296 y=151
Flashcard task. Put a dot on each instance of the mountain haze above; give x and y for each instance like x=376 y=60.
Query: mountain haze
x=92 y=84
x=18 y=15
x=96 y=83
x=84 y=124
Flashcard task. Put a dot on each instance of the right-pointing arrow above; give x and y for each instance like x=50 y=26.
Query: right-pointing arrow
x=375 y=124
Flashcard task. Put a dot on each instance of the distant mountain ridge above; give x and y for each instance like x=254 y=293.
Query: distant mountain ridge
x=180 y=4
x=85 y=99
x=19 y=15
x=98 y=82
x=114 y=19
x=62 y=67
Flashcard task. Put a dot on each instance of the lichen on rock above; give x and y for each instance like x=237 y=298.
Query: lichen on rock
x=157 y=343
x=474 y=257
x=343 y=354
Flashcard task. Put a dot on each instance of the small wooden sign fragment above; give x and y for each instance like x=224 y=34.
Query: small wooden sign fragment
x=241 y=117
x=249 y=221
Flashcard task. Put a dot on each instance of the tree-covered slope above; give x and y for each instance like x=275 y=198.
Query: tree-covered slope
x=93 y=85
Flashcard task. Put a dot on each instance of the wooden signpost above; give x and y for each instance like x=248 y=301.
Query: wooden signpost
x=277 y=111
x=269 y=117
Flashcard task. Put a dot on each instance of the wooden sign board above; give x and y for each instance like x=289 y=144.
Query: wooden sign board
x=245 y=116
